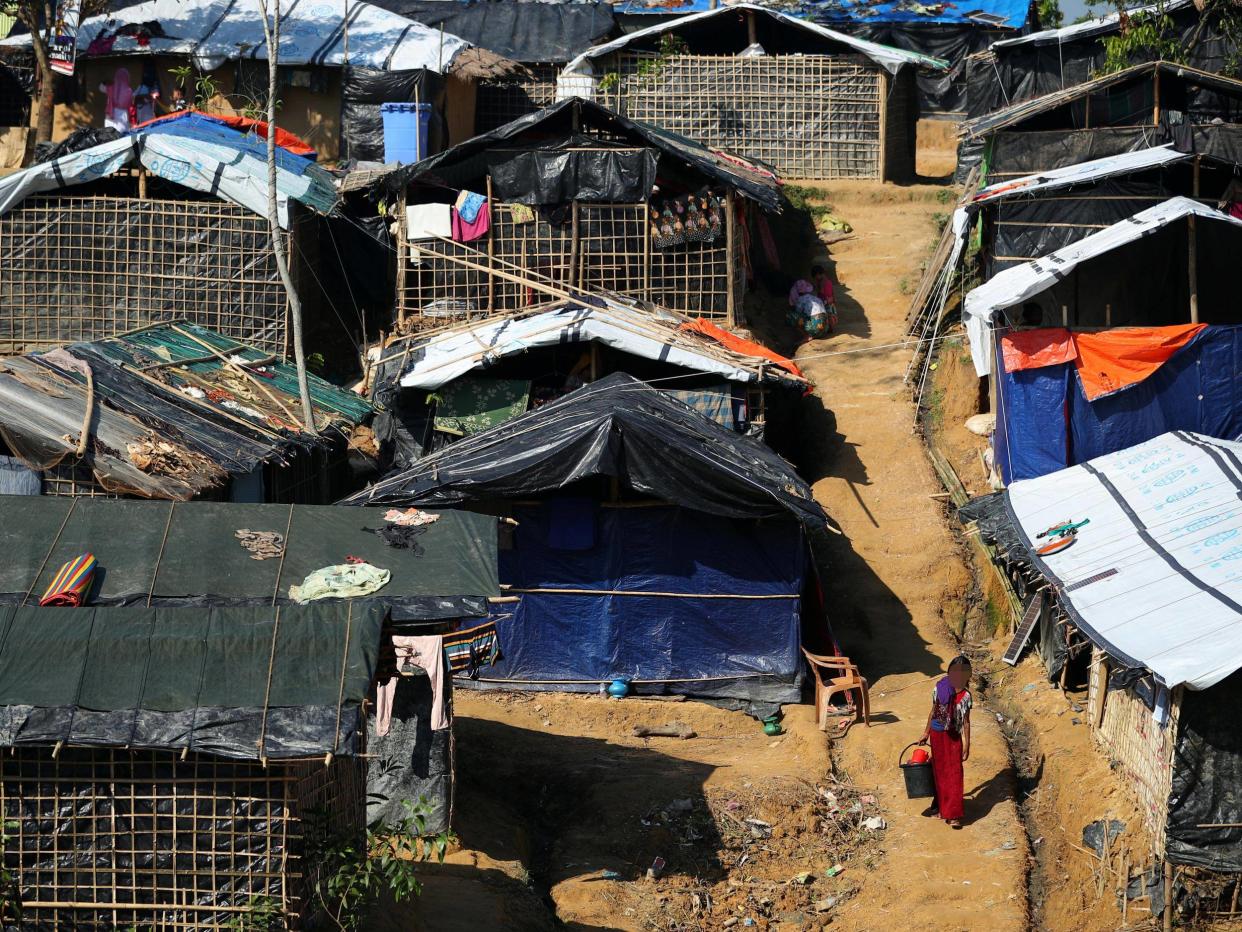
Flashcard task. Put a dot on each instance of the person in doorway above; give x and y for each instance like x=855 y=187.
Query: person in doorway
x=119 y=102
x=823 y=287
x=1231 y=201
x=948 y=732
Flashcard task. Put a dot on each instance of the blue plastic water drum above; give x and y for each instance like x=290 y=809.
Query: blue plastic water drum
x=405 y=131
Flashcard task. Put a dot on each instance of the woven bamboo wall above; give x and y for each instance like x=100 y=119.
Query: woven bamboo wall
x=502 y=100
x=1130 y=736
x=109 y=839
x=89 y=267
x=812 y=117
x=614 y=254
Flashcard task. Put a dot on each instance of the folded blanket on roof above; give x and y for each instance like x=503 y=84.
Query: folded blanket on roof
x=343 y=581
x=71 y=583
x=468 y=650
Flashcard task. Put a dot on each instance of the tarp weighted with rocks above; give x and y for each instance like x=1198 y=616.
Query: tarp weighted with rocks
x=253 y=683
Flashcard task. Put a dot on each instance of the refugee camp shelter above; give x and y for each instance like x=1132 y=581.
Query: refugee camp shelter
x=330 y=55
x=541 y=36
x=169 y=556
x=1018 y=68
x=810 y=102
x=573 y=204
x=1126 y=334
x=950 y=32
x=1143 y=607
x=169 y=222
x=1145 y=105
x=176 y=767
x=438 y=387
x=176 y=411
x=651 y=545
x=1022 y=219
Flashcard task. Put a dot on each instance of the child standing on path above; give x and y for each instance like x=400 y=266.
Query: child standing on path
x=948 y=730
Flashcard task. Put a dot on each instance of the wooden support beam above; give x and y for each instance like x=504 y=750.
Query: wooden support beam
x=752 y=29
x=491 y=247
x=730 y=270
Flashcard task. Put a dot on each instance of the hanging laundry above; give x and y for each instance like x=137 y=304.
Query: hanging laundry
x=426 y=651
x=468 y=232
x=468 y=205
x=72 y=582
x=343 y=581
x=468 y=650
x=428 y=221
x=690 y=218
x=522 y=213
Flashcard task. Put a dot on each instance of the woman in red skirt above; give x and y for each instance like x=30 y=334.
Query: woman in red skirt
x=948 y=730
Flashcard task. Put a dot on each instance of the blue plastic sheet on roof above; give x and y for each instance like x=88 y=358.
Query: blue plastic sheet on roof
x=1045 y=422
x=746 y=648
x=1009 y=14
x=202 y=128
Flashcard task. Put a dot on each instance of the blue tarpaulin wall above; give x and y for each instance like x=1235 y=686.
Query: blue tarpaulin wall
x=1045 y=423
x=742 y=648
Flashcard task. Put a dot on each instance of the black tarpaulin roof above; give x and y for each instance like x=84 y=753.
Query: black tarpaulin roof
x=524 y=32
x=177 y=554
x=618 y=427
x=568 y=117
x=274 y=682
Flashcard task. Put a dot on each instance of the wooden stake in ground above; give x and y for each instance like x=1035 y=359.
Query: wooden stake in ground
x=271 y=36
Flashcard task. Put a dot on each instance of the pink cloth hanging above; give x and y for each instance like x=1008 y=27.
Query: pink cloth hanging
x=427 y=652
x=468 y=232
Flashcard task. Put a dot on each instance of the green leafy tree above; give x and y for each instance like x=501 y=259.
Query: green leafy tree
x=38 y=16
x=1152 y=35
x=1049 y=15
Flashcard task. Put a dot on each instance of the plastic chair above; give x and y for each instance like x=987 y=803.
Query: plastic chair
x=837 y=675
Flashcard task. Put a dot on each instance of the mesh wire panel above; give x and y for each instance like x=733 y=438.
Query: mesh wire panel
x=441 y=282
x=109 y=839
x=809 y=116
x=86 y=268
x=502 y=100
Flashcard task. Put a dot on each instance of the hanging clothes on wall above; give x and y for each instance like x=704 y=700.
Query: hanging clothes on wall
x=690 y=218
x=467 y=231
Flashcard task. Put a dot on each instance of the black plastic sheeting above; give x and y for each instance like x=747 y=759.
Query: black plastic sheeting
x=618 y=427
x=362 y=92
x=524 y=32
x=87 y=137
x=1030 y=70
x=246 y=683
x=554 y=175
x=190 y=557
x=412 y=762
x=937 y=91
x=1207 y=780
x=14 y=96
x=467 y=162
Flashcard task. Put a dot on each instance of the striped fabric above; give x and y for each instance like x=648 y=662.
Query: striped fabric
x=469 y=649
x=72 y=582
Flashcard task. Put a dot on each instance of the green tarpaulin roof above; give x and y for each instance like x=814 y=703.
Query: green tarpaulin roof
x=259 y=682
x=178 y=554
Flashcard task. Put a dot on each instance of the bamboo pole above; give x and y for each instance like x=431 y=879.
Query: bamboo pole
x=1155 y=110
x=491 y=248
x=1192 y=267
x=232 y=365
x=572 y=273
x=752 y=28
x=730 y=271
x=1168 y=895
x=403 y=258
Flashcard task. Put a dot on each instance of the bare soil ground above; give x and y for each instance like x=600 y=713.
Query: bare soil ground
x=560 y=811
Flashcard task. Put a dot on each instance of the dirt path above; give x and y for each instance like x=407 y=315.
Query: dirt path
x=897 y=583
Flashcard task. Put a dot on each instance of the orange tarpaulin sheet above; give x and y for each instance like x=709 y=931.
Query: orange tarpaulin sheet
x=1115 y=359
x=288 y=141
x=738 y=345
x=1034 y=349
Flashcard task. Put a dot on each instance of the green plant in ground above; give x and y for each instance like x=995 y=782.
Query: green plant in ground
x=934 y=418
x=263 y=914
x=904 y=286
x=944 y=195
x=207 y=89
x=352 y=872
x=807 y=200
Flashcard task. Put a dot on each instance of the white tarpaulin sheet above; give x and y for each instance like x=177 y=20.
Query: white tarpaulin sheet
x=451 y=355
x=1022 y=282
x=1155 y=578
x=227 y=173
x=570 y=83
x=312 y=32
x=1087 y=28
x=1082 y=173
